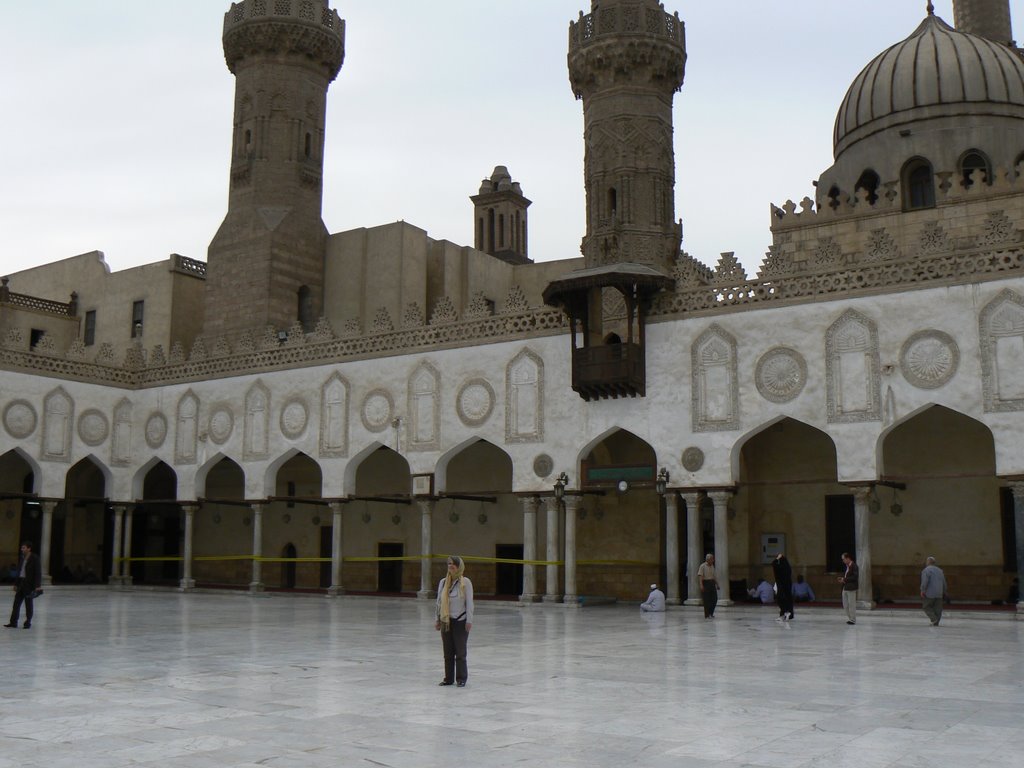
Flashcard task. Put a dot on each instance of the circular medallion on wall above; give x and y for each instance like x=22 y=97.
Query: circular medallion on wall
x=693 y=459
x=781 y=374
x=20 y=419
x=93 y=427
x=156 y=430
x=294 y=417
x=543 y=466
x=475 y=402
x=929 y=359
x=221 y=425
x=377 y=409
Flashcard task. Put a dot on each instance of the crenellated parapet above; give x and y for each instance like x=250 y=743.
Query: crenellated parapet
x=304 y=28
x=627 y=40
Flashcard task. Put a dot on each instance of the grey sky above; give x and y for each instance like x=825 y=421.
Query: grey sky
x=117 y=119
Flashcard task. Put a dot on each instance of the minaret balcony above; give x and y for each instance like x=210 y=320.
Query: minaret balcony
x=609 y=370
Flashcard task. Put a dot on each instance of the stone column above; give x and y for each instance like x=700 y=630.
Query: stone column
x=426 y=591
x=694 y=557
x=529 y=594
x=126 y=567
x=672 y=548
x=551 y=593
x=187 y=582
x=256 y=585
x=44 y=540
x=115 y=553
x=1018 y=524
x=572 y=505
x=721 y=501
x=336 y=551
x=862 y=526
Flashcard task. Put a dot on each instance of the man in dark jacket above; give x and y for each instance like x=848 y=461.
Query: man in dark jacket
x=783 y=586
x=30 y=576
x=850 y=581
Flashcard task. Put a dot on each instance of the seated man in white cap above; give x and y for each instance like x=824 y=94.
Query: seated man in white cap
x=655 y=602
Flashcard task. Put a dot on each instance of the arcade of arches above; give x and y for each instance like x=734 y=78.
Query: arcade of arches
x=936 y=493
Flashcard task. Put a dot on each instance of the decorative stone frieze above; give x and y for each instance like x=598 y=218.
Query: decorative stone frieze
x=928 y=359
x=444 y=312
x=780 y=375
x=382 y=321
x=413 y=316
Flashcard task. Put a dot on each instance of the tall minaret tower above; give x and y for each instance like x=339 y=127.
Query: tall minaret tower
x=265 y=264
x=626 y=60
x=986 y=18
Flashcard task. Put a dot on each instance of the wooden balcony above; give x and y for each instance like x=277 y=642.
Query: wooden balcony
x=612 y=370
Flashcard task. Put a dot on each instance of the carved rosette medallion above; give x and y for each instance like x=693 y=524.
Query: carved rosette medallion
x=781 y=374
x=156 y=430
x=20 y=419
x=294 y=417
x=378 y=405
x=222 y=423
x=543 y=465
x=693 y=459
x=929 y=359
x=93 y=427
x=475 y=402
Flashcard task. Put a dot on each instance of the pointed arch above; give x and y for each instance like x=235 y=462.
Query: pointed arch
x=203 y=474
x=30 y=462
x=140 y=476
x=378 y=470
x=272 y=475
x=616 y=454
x=474 y=466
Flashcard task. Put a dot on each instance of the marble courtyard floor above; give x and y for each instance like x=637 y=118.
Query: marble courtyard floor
x=130 y=678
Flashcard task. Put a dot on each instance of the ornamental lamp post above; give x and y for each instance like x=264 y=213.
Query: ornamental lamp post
x=661 y=483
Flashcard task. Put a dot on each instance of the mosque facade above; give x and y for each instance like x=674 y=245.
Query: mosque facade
x=339 y=411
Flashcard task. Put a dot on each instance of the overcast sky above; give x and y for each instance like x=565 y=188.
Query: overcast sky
x=116 y=119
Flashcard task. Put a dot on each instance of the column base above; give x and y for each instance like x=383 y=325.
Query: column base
x=187 y=585
x=673 y=601
x=256 y=586
x=426 y=594
x=1020 y=607
x=726 y=603
x=126 y=581
x=571 y=599
x=529 y=598
x=693 y=601
x=114 y=581
x=552 y=598
x=47 y=580
x=867 y=605
x=335 y=591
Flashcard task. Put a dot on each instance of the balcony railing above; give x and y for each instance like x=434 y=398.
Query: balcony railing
x=612 y=370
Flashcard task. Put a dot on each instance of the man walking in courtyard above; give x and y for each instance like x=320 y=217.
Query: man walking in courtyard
x=30 y=575
x=708 y=586
x=850 y=580
x=933 y=590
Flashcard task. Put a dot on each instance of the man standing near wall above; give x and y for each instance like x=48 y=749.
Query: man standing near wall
x=30 y=575
x=850 y=581
x=933 y=590
x=708 y=586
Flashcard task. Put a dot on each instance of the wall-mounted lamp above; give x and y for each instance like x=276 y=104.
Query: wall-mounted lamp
x=896 y=508
x=560 y=482
x=661 y=482
x=282 y=337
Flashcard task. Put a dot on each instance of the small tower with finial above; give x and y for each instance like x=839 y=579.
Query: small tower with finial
x=266 y=262
x=986 y=18
x=626 y=61
x=499 y=217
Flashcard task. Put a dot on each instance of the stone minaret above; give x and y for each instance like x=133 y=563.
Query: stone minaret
x=986 y=18
x=499 y=217
x=626 y=60
x=265 y=264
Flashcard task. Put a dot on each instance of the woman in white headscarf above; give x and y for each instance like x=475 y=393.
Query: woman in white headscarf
x=454 y=619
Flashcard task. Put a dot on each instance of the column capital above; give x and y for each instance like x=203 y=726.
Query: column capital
x=719 y=496
x=1017 y=489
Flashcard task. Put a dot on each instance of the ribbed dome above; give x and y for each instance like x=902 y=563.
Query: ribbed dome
x=936 y=71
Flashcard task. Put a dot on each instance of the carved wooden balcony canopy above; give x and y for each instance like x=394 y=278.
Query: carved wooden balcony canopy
x=607 y=370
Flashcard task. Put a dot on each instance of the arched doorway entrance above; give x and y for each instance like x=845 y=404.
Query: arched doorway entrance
x=389 y=526
x=156 y=529
x=82 y=527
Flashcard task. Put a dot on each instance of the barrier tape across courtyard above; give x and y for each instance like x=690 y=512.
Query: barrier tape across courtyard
x=370 y=559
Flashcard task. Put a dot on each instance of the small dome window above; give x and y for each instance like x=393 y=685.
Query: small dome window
x=918 y=185
x=869 y=182
x=975 y=167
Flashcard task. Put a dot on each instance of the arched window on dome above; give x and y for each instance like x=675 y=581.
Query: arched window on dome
x=869 y=182
x=833 y=197
x=918 y=184
x=974 y=167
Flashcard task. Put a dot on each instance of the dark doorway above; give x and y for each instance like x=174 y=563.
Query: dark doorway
x=1009 y=525
x=508 y=577
x=389 y=572
x=326 y=550
x=288 y=568
x=840 y=531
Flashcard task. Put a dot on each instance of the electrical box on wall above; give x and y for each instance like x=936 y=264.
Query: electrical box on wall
x=771 y=545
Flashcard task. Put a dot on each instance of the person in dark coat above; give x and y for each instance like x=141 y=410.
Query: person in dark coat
x=783 y=586
x=30 y=576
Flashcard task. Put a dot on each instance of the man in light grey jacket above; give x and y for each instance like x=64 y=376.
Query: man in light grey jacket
x=933 y=590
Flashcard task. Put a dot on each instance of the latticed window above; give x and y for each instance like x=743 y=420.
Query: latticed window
x=974 y=166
